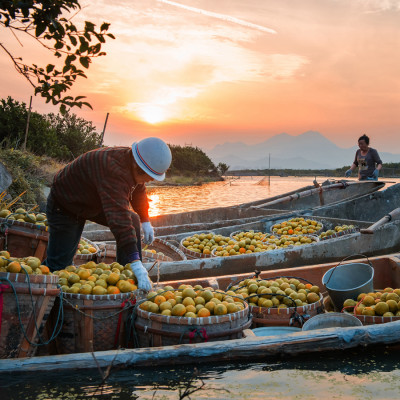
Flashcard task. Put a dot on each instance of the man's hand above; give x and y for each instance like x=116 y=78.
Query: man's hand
x=148 y=232
x=142 y=276
x=348 y=173
x=375 y=174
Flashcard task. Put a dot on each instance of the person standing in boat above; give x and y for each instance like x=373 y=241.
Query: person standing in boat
x=103 y=186
x=367 y=160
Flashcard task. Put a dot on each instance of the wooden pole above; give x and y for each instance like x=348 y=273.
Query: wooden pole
x=104 y=129
x=269 y=169
x=27 y=125
x=393 y=215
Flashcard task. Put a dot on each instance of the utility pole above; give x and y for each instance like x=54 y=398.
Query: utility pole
x=104 y=129
x=27 y=125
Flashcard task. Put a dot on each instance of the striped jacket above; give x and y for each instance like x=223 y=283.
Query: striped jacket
x=99 y=186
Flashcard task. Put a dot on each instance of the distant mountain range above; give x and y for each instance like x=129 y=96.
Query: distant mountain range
x=310 y=150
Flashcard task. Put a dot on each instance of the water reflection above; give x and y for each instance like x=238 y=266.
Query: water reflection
x=353 y=374
x=172 y=199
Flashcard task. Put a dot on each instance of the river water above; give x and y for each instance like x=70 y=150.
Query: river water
x=364 y=374
x=169 y=200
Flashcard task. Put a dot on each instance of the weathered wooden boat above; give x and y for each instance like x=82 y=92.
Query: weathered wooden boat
x=387 y=273
x=369 y=207
x=386 y=239
x=306 y=197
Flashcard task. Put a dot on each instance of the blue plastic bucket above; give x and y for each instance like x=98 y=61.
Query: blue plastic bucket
x=275 y=330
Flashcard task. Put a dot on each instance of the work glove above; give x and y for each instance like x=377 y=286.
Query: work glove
x=142 y=276
x=375 y=174
x=348 y=173
x=148 y=232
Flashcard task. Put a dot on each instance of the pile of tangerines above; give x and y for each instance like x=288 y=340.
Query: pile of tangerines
x=26 y=265
x=194 y=302
x=97 y=279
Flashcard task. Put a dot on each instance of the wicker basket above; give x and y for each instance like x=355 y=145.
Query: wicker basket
x=23 y=239
x=273 y=316
x=280 y=221
x=44 y=292
x=365 y=319
x=93 y=322
x=80 y=259
x=237 y=232
x=159 y=330
x=108 y=252
x=339 y=234
x=193 y=254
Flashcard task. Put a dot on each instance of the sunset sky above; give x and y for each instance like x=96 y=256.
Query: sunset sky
x=207 y=72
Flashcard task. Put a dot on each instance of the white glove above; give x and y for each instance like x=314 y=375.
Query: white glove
x=148 y=232
x=142 y=276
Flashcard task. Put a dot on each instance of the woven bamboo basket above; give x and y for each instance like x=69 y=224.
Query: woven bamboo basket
x=108 y=252
x=280 y=221
x=342 y=233
x=365 y=319
x=155 y=330
x=273 y=316
x=93 y=322
x=80 y=259
x=194 y=254
x=33 y=311
x=23 y=239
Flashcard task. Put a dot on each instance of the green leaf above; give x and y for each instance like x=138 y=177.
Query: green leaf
x=49 y=68
x=87 y=105
x=63 y=109
x=73 y=40
x=104 y=26
x=89 y=26
x=66 y=68
x=84 y=44
x=111 y=35
x=40 y=28
x=84 y=61
x=59 y=45
x=69 y=59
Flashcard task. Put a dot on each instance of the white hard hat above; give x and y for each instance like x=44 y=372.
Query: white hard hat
x=153 y=156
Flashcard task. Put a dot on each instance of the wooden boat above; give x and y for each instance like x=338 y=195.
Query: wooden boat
x=369 y=207
x=306 y=197
x=387 y=273
x=386 y=239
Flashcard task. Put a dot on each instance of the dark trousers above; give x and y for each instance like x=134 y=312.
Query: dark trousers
x=65 y=232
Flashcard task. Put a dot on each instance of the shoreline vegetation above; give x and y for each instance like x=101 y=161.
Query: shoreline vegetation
x=54 y=140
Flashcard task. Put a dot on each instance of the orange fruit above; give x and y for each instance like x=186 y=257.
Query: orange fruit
x=178 y=310
x=113 y=278
x=203 y=312
x=45 y=269
x=14 y=267
x=220 y=309
x=159 y=299
x=188 y=301
x=99 y=290
x=189 y=292
x=166 y=305
x=191 y=308
x=169 y=295
x=113 y=290
x=84 y=274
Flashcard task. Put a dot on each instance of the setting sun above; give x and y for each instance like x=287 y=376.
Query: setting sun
x=151 y=114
